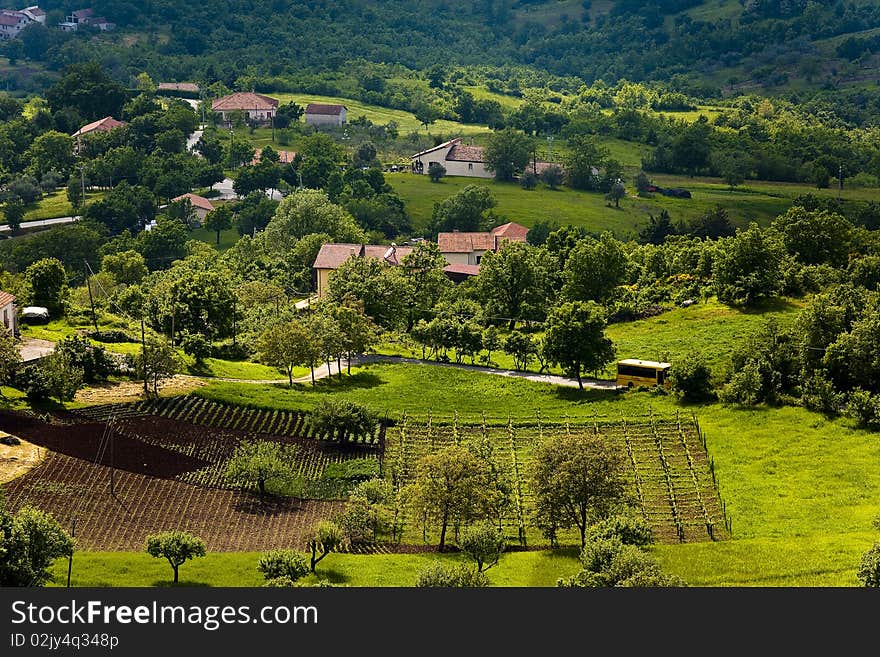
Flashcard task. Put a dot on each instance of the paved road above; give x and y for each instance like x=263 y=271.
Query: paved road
x=40 y=223
x=32 y=349
x=322 y=372
x=193 y=139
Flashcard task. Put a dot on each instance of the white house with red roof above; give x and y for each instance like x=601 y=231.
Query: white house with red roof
x=458 y=159
x=200 y=204
x=255 y=107
x=85 y=17
x=319 y=114
x=466 y=250
x=8 y=312
x=331 y=256
x=106 y=124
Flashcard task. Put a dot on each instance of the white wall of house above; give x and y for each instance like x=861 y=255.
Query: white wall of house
x=472 y=258
x=472 y=169
x=253 y=115
x=325 y=119
x=7 y=316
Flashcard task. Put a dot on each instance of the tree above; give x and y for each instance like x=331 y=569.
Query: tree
x=219 y=219
x=611 y=562
x=869 y=568
x=816 y=236
x=575 y=339
x=713 y=224
x=14 y=211
x=464 y=210
x=308 y=211
x=521 y=347
x=373 y=285
x=426 y=114
x=451 y=485
x=156 y=360
x=88 y=90
x=127 y=267
x=10 y=358
x=514 y=282
x=177 y=547
x=287 y=114
x=210 y=148
x=260 y=462
x=484 y=543
x=365 y=156
x=507 y=153
x=748 y=266
x=51 y=151
x=283 y=564
x=257 y=177
x=658 y=229
x=30 y=542
x=326 y=538
x=528 y=180
x=342 y=419
x=436 y=171
x=552 y=176
x=196 y=346
x=358 y=332
x=617 y=192
x=691 y=377
x=491 y=342
x=282 y=346
x=64 y=378
x=594 y=269
x=577 y=479
x=583 y=162
x=47 y=284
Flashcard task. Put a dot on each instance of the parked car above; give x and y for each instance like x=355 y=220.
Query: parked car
x=35 y=314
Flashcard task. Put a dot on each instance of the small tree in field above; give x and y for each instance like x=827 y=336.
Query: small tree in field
x=177 y=547
x=440 y=575
x=218 y=220
x=30 y=541
x=436 y=171
x=576 y=339
x=552 y=176
x=691 y=378
x=258 y=462
x=327 y=538
x=577 y=480
x=484 y=543
x=283 y=567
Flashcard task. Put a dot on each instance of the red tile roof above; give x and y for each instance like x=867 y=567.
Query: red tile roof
x=538 y=167
x=196 y=200
x=179 y=86
x=466 y=270
x=9 y=19
x=106 y=124
x=459 y=153
x=330 y=110
x=82 y=13
x=244 y=100
x=511 y=231
x=331 y=256
x=6 y=299
x=465 y=242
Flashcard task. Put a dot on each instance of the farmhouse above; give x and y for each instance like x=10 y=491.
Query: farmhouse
x=178 y=87
x=12 y=22
x=106 y=124
x=255 y=107
x=318 y=114
x=456 y=158
x=85 y=17
x=331 y=257
x=467 y=249
x=7 y=312
x=200 y=204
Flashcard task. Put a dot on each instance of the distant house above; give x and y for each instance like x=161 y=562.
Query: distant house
x=331 y=257
x=201 y=205
x=255 y=107
x=468 y=248
x=36 y=14
x=457 y=158
x=8 y=312
x=13 y=22
x=190 y=87
x=106 y=124
x=85 y=17
x=318 y=114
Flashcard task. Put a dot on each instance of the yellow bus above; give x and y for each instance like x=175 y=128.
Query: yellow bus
x=633 y=372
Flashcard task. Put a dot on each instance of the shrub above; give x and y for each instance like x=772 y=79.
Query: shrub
x=864 y=408
x=869 y=568
x=283 y=565
x=820 y=395
x=484 y=543
x=342 y=419
x=528 y=180
x=96 y=364
x=352 y=469
x=197 y=346
x=436 y=171
x=229 y=351
x=34 y=382
x=111 y=336
x=438 y=574
x=691 y=378
x=630 y=530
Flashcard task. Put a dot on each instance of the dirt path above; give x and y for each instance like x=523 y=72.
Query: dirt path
x=128 y=391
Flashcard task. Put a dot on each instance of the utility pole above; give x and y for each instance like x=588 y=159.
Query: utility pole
x=839 y=181
x=144 y=355
x=92 y=301
x=70 y=558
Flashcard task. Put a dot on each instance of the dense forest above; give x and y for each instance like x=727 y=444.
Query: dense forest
x=700 y=46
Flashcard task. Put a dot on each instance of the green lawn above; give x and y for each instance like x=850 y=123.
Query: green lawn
x=590 y=209
x=537 y=568
x=800 y=489
x=227 y=237
x=51 y=206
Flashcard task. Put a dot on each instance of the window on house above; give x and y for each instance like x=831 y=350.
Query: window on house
x=479 y=257
x=470 y=166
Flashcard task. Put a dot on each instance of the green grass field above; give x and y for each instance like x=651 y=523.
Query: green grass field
x=590 y=209
x=535 y=568
x=227 y=237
